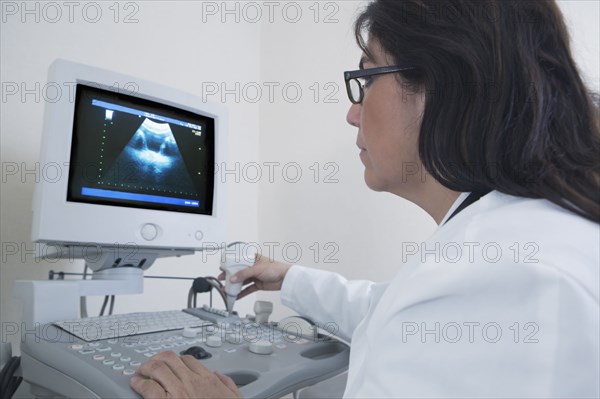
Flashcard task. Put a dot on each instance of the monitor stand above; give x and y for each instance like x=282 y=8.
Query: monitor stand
x=116 y=271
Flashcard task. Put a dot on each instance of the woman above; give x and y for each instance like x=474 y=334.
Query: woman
x=484 y=102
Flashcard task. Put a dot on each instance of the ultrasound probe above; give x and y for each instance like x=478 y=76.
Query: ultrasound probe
x=231 y=265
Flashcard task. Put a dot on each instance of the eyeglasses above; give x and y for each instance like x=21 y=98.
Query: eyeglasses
x=355 y=87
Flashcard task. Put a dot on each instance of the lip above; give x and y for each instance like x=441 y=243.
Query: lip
x=360 y=147
x=362 y=153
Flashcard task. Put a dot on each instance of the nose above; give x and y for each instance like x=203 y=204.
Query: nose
x=353 y=116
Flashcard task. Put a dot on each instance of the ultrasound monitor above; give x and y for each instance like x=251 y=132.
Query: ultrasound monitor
x=141 y=154
x=137 y=161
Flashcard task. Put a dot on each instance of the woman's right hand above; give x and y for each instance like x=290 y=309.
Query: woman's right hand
x=265 y=274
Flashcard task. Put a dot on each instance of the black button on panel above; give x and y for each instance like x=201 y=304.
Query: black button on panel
x=198 y=352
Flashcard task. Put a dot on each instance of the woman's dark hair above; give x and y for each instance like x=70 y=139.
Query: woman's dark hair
x=505 y=106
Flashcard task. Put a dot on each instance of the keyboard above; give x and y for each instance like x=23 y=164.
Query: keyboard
x=122 y=325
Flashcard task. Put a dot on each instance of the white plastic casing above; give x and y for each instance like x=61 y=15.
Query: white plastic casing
x=214 y=341
x=56 y=220
x=263 y=310
x=231 y=265
x=261 y=347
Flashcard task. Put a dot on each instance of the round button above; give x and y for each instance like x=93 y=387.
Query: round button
x=214 y=341
x=262 y=347
x=233 y=338
x=149 y=231
x=189 y=332
x=199 y=235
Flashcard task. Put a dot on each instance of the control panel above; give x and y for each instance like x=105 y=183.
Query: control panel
x=265 y=359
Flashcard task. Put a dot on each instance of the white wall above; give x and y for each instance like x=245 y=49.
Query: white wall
x=169 y=44
x=583 y=21
x=182 y=44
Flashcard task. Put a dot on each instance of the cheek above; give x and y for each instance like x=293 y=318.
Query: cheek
x=400 y=157
x=396 y=147
x=390 y=129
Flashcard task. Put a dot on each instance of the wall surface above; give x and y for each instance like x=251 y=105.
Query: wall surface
x=167 y=42
x=296 y=189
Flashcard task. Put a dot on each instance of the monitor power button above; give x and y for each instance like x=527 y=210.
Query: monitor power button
x=149 y=231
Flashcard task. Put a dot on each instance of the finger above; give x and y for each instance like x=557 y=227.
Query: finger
x=244 y=274
x=147 y=388
x=193 y=364
x=159 y=371
x=247 y=291
x=174 y=363
x=221 y=276
x=229 y=383
x=209 y=378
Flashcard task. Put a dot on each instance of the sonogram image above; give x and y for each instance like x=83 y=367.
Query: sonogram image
x=151 y=160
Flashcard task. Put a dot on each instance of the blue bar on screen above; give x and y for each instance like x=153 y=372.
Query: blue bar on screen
x=96 y=192
x=133 y=111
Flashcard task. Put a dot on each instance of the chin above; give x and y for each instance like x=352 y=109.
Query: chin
x=374 y=183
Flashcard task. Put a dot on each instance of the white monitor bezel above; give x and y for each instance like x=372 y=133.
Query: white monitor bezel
x=58 y=221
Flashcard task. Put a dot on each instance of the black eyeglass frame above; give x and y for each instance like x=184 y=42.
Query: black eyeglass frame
x=363 y=73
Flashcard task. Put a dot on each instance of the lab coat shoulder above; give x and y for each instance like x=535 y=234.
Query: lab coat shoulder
x=479 y=311
x=538 y=234
x=506 y=236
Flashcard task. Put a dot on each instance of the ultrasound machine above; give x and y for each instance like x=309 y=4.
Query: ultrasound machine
x=141 y=186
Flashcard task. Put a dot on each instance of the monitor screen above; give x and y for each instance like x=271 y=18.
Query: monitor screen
x=132 y=152
x=141 y=162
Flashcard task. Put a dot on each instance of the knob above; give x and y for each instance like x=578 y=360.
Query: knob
x=263 y=310
x=261 y=347
x=214 y=341
x=189 y=332
x=234 y=338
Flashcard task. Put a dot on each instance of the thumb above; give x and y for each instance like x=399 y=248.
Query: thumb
x=242 y=275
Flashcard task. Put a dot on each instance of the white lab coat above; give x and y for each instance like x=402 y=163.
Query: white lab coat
x=514 y=314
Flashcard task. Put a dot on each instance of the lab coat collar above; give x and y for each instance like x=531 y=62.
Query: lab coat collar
x=456 y=204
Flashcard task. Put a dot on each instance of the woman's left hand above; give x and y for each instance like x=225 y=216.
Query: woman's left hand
x=168 y=375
